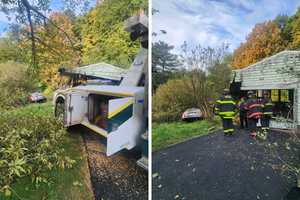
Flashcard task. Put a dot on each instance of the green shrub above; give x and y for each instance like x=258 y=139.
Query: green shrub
x=30 y=144
x=15 y=85
x=177 y=95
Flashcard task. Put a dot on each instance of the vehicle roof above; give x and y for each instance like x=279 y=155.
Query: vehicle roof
x=110 y=89
x=101 y=70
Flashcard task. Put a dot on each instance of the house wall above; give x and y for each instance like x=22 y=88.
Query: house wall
x=297 y=105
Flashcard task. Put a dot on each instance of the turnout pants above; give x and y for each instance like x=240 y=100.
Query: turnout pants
x=243 y=120
x=252 y=123
x=227 y=126
x=265 y=122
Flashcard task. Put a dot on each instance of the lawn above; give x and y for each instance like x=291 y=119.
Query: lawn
x=166 y=134
x=70 y=183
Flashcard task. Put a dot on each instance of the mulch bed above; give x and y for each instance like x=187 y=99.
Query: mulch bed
x=116 y=177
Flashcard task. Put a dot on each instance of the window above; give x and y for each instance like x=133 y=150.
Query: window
x=275 y=95
x=284 y=95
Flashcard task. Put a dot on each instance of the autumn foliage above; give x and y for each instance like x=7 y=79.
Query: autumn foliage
x=55 y=49
x=268 y=38
x=264 y=40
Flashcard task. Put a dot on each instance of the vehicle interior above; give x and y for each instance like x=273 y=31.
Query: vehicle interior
x=98 y=110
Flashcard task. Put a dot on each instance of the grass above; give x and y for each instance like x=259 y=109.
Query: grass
x=63 y=184
x=166 y=134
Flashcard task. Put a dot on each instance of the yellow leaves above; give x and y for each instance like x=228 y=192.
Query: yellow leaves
x=264 y=40
x=56 y=49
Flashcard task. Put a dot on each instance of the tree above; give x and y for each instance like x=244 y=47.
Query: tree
x=54 y=50
x=264 y=40
x=199 y=57
x=219 y=75
x=162 y=58
x=103 y=36
x=292 y=31
x=31 y=14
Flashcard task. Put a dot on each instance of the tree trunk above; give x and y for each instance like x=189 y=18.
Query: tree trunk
x=33 y=47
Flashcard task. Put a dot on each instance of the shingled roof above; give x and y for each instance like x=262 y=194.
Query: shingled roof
x=101 y=70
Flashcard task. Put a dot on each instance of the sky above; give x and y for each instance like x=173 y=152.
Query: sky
x=55 y=5
x=213 y=22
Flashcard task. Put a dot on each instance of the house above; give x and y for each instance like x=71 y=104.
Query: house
x=280 y=75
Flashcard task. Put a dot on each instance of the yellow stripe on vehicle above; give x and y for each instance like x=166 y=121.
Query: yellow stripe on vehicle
x=95 y=128
x=123 y=107
x=115 y=94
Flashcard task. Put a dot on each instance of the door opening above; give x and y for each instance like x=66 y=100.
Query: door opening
x=98 y=110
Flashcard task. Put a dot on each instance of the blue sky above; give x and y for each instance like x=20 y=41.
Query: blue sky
x=55 y=5
x=212 y=22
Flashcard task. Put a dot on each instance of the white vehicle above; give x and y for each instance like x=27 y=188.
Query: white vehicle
x=192 y=114
x=113 y=111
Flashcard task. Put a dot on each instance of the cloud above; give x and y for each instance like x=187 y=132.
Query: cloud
x=213 y=22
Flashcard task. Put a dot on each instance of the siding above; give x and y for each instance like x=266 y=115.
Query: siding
x=271 y=72
x=297 y=105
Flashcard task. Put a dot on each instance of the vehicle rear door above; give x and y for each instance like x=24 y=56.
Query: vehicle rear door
x=77 y=107
x=120 y=130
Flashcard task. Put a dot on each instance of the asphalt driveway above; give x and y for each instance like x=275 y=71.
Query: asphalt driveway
x=218 y=167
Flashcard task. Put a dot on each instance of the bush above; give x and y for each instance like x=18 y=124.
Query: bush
x=15 y=85
x=30 y=144
x=177 y=95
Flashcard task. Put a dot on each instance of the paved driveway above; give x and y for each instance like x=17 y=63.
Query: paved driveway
x=218 y=167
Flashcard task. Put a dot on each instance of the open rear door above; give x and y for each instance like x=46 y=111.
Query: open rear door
x=77 y=108
x=122 y=129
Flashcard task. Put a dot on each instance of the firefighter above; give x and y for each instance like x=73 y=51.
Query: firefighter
x=243 y=113
x=267 y=112
x=254 y=112
x=225 y=107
